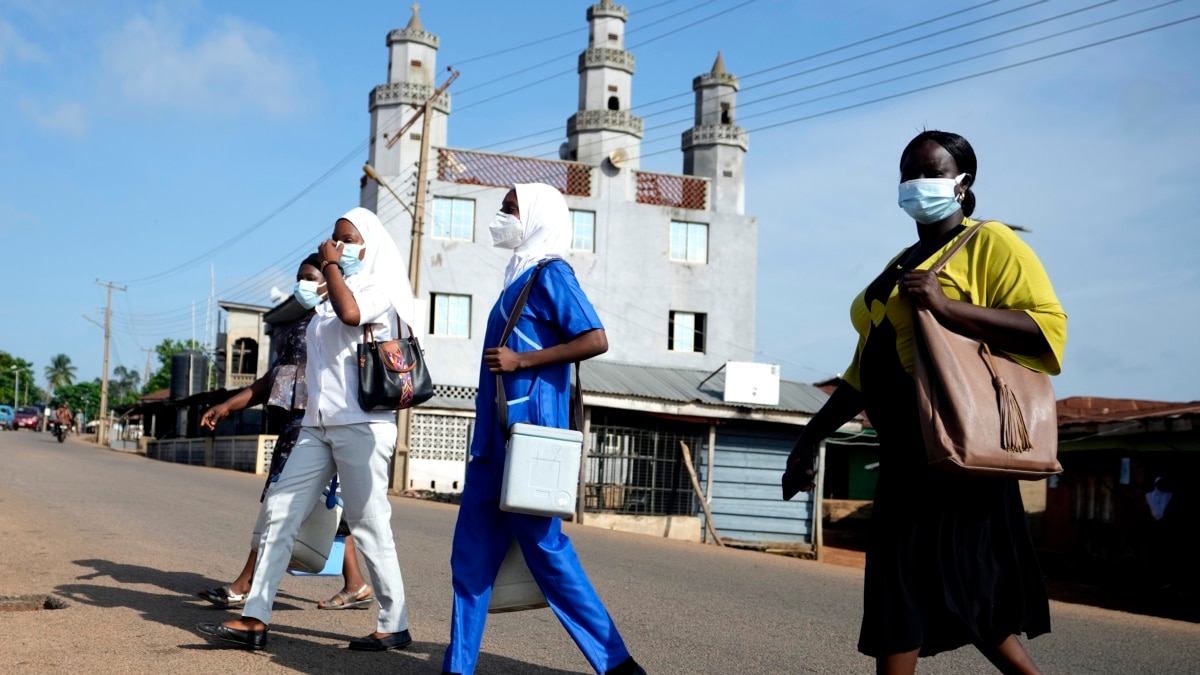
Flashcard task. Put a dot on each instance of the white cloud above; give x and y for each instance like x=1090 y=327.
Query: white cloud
x=12 y=45
x=228 y=68
x=69 y=118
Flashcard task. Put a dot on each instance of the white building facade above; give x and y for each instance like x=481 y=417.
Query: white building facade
x=669 y=261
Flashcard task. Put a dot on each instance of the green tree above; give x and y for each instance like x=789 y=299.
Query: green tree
x=83 y=396
x=9 y=367
x=124 y=387
x=60 y=372
x=161 y=378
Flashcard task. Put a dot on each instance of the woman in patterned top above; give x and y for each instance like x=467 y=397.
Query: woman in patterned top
x=284 y=389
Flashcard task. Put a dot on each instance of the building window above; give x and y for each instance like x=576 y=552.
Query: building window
x=726 y=114
x=614 y=103
x=451 y=316
x=686 y=332
x=245 y=357
x=689 y=242
x=453 y=218
x=583 y=224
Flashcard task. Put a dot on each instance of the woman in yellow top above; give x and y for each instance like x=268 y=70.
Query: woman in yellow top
x=950 y=561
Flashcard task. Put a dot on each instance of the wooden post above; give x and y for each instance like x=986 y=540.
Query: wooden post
x=687 y=461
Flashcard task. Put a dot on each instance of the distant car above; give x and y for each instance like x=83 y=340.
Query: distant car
x=28 y=417
x=6 y=417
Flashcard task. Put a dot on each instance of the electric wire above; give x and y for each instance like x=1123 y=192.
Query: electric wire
x=526 y=86
x=573 y=31
x=342 y=163
x=835 y=50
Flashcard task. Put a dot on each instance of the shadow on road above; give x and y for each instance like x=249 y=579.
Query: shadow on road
x=287 y=646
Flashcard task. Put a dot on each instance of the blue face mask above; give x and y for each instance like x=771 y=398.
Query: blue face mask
x=928 y=200
x=306 y=294
x=350 y=262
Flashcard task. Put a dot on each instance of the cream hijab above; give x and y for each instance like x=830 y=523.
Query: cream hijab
x=383 y=269
x=547 y=224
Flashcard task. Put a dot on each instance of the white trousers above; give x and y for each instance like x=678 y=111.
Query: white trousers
x=359 y=454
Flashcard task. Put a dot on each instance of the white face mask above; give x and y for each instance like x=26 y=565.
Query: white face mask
x=307 y=293
x=507 y=230
x=928 y=200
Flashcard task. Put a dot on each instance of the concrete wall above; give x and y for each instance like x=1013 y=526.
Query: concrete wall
x=629 y=277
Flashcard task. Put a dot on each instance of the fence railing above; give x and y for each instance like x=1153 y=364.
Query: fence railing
x=639 y=471
x=663 y=189
x=484 y=168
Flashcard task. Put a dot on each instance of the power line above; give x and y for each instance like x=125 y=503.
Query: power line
x=555 y=76
x=966 y=77
x=364 y=144
x=573 y=31
x=844 y=47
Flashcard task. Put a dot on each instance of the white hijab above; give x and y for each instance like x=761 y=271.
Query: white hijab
x=547 y=224
x=1158 y=500
x=383 y=269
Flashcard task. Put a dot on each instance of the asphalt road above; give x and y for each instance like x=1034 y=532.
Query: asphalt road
x=127 y=542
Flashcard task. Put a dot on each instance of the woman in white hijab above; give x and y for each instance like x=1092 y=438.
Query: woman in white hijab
x=367 y=286
x=557 y=327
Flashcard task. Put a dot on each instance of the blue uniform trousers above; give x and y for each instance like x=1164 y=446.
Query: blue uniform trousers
x=481 y=539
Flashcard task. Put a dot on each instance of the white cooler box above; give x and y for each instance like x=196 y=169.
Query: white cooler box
x=541 y=472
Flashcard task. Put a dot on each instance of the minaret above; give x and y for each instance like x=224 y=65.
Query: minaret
x=603 y=123
x=715 y=148
x=412 y=68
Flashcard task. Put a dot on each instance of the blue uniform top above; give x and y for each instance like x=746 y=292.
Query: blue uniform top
x=556 y=312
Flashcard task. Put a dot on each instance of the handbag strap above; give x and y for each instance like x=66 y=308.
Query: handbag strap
x=501 y=396
x=401 y=324
x=962 y=241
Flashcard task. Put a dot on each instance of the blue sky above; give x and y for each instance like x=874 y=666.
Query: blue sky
x=143 y=139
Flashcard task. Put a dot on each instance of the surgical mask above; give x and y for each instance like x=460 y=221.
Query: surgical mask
x=349 y=261
x=929 y=200
x=306 y=293
x=507 y=230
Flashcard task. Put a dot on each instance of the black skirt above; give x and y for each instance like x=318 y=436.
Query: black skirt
x=950 y=561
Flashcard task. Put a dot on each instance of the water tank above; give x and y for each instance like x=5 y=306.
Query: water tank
x=189 y=374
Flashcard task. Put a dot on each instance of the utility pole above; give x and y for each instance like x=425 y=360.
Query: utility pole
x=425 y=113
x=101 y=432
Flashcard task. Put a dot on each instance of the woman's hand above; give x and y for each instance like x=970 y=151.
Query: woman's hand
x=801 y=474
x=215 y=414
x=330 y=251
x=501 y=360
x=923 y=287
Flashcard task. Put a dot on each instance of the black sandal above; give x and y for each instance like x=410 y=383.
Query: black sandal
x=224 y=596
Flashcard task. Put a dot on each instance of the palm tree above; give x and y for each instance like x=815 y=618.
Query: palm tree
x=60 y=372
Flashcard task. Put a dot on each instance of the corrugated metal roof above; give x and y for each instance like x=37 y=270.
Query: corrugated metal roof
x=682 y=385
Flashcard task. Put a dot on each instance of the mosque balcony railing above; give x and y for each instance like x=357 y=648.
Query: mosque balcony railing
x=407 y=93
x=239 y=380
x=469 y=167
x=681 y=192
x=605 y=120
x=607 y=57
x=716 y=134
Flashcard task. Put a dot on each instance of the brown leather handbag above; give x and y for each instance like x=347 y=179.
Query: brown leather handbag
x=982 y=414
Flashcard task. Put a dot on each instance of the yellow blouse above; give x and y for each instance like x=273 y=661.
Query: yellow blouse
x=995 y=269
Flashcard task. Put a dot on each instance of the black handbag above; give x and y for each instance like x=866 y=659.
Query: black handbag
x=392 y=375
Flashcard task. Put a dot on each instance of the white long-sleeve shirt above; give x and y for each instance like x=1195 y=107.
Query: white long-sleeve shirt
x=332 y=369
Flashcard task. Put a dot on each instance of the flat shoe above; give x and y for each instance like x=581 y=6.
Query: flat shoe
x=347 y=600
x=373 y=644
x=224 y=596
x=246 y=639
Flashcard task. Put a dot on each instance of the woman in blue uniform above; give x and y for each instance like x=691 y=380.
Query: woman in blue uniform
x=557 y=327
